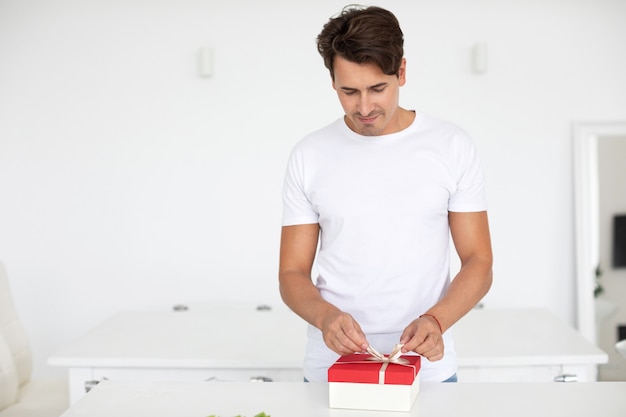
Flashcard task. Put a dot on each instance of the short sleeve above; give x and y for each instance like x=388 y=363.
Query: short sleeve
x=470 y=194
x=297 y=208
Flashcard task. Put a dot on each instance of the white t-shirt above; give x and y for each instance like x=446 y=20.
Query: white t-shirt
x=382 y=204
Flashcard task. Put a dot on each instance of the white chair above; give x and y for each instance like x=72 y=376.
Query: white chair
x=21 y=396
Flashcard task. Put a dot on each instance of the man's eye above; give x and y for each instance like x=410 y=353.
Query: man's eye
x=349 y=93
x=378 y=90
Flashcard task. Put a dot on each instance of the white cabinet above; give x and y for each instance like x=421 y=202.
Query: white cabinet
x=222 y=342
x=522 y=345
x=236 y=342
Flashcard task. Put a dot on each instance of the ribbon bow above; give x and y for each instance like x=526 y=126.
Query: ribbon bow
x=394 y=356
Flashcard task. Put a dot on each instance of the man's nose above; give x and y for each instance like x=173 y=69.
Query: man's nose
x=365 y=105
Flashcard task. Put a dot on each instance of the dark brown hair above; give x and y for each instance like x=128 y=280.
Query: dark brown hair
x=363 y=35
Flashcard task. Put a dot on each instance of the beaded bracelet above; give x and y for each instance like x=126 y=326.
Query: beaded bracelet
x=436 y=321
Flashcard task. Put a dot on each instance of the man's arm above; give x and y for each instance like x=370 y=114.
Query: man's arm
x=470 y=234
x=298 y=245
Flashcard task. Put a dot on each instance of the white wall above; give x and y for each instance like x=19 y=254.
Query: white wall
x=127 y=181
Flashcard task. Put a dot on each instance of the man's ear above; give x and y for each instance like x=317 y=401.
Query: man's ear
x=402 y=72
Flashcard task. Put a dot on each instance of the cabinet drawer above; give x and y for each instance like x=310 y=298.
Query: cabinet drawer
x=156 y=374
x=83 y=379
x=509 y=373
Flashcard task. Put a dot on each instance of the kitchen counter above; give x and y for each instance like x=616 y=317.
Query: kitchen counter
x=239 y=342
x=284 y=399
x=522 y=345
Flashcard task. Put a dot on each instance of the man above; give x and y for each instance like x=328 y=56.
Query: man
x=381 y=190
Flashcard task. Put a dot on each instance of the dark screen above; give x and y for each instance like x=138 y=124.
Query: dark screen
x=619 y=241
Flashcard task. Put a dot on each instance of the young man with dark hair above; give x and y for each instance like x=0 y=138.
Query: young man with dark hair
x=381 y=190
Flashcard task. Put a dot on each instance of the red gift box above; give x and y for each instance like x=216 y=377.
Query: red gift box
x=358 y=382
x=360 y=368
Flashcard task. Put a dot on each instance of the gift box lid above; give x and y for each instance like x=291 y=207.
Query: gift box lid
x=359 y=369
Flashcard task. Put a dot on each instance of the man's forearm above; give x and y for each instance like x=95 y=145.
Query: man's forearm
x=468 y=287
x=301 y=296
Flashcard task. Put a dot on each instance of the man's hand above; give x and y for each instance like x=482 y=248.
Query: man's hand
x=342 y=334
x=423 y=337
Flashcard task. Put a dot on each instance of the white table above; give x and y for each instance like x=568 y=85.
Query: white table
x=237 y=343
x=284 y=399
x=222 y=342
x=522 y=345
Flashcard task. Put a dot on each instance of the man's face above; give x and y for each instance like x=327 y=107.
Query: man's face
x=368 y=96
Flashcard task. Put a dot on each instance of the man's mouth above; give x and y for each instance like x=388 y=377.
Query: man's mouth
x=368 y=120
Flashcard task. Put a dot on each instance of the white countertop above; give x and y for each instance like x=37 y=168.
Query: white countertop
x=239 y=336
x=519 y=337
x=209 y=336
x=229 y=399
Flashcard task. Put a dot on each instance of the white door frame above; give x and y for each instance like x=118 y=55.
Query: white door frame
x=586 y=204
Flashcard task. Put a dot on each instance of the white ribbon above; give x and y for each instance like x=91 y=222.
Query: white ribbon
x=394 y=357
